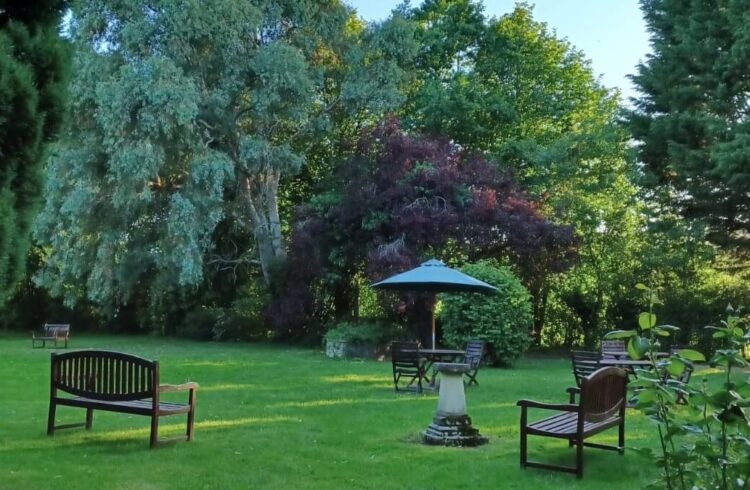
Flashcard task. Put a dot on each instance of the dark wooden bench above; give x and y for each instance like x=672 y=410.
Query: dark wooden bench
x=51 y=332
x=115 y=382
x=602 y=406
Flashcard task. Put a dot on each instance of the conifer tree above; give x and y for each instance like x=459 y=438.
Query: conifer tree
x=691 y=119
x=33 y=65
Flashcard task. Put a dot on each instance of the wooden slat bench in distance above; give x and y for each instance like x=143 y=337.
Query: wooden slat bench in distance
x=116 y=382
x=51 y=332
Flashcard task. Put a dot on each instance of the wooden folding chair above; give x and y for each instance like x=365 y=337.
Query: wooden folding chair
x=407 y=364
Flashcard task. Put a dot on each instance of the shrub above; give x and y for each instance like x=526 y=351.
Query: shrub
x=502 y=320
x=705 y=445
x=199 y=324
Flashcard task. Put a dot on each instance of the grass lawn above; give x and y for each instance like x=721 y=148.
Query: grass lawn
x=278 y=417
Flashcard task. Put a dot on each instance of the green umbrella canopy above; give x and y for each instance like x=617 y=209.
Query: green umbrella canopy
x=435 y=277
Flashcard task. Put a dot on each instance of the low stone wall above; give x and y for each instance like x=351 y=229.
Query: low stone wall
x=347 y=350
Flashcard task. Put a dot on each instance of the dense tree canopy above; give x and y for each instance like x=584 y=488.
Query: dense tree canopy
x=185 y=115
x=400 y=199
x=508 y=87
x=33 y=69
x=691 y=117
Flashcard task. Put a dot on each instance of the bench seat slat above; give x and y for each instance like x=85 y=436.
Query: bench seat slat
x=565 y=425
x=140 y=407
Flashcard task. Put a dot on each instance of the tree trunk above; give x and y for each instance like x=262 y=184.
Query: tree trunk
x=261 y=199
x=539 y=293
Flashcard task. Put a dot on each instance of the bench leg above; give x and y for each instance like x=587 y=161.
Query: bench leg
x=579 y=458
x=524 y=437
x=89 y=418
x=190 y=423
x=154 y=431
x=51 y=418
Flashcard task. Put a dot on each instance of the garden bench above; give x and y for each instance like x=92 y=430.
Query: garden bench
x=601 y=406
x=115 y=382
x=51 y=332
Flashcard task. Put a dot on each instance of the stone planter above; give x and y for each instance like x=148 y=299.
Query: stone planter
x=344 y=349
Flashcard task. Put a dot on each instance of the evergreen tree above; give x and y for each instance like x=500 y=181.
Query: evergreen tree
x=33 y=65
x=691 y=119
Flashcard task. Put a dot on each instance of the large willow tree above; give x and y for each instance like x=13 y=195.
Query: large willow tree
x=33 y=65
x=187 y=113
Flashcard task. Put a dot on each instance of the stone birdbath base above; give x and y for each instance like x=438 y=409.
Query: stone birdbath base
x=451 y=425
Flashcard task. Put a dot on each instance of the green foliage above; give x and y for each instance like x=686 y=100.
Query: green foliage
x=509 y=87
x=33 y=78
x=502 y=320
x=706 y=444
x=691 y=117
x=185 y=118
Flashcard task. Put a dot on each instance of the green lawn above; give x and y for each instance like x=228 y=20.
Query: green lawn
x=279 y=417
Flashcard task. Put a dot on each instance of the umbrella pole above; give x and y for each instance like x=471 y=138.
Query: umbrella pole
x=432 y=320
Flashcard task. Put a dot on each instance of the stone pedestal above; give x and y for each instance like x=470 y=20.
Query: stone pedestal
x=451 y=425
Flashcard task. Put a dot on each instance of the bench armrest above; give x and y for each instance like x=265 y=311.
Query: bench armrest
x=563 y=407
x=572 y=392
x=185 y=386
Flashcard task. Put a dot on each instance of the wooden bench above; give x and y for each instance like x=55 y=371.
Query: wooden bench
x=602 y=406
x=116 y=382
x=51 y=332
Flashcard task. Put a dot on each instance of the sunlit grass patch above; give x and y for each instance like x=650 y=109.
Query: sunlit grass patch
x=270 y=417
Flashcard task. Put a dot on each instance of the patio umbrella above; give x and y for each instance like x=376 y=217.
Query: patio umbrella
x=436 y=277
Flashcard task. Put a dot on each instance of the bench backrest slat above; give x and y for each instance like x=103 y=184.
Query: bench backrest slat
x=104 y=375
x=59 y=330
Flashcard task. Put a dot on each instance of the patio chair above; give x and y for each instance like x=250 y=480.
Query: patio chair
x=602 y=406
x=473 y=357
x=614 y=349
x=584 y=363
x=409 y=365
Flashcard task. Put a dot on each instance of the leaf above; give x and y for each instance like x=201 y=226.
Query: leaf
x=671 y=328
x=620 y=334
x=676 y=367
x=691 y=355
x=638 y=346
x=642 y=287
x=646 y=320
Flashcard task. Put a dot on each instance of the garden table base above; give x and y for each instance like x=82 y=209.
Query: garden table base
x=451 y=425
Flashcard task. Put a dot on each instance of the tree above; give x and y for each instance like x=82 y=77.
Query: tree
x=186 y=115
x=691 y=117
x=509 y=88
x=400 y=199
x=33 y=69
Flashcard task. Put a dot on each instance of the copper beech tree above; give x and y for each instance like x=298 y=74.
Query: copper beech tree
x=396 y=201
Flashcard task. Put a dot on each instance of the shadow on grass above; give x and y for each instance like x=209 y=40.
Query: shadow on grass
x=125 y=437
